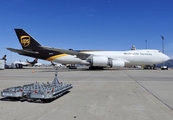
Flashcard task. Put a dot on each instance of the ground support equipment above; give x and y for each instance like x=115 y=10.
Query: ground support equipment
x=37 y=91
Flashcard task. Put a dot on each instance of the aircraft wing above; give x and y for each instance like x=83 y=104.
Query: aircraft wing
x=59 y=50
x=80 y=55
x=19 y=51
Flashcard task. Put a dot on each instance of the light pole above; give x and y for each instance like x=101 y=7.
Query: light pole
x=162 y=46
x=146 y=43
x=162 y=43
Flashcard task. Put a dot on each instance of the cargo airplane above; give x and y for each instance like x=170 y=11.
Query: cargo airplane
x=4 y=58
x=27 y=63
x=92 y=58
x=32 y=63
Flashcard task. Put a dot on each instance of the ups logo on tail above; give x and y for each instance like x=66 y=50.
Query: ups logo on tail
x=25 y=40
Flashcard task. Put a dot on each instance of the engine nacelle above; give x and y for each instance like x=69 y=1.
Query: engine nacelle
x=116 y=63
x=99 y=61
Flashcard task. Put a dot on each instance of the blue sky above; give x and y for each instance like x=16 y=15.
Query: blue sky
x=87 y=24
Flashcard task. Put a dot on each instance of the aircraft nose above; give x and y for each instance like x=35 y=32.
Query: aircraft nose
x=166 y=57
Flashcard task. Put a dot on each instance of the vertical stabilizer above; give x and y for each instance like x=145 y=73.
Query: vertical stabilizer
x=27 y=42
x=4 y=57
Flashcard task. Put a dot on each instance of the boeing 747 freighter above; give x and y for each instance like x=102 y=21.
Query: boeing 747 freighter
x=92 y=58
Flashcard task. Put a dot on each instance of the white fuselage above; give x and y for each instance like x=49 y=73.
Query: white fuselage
x=131 y=57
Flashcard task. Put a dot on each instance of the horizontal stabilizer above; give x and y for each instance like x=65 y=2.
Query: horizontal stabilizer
x=19 y=51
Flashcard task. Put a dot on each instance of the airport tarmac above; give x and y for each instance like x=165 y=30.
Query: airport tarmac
x=96 y=95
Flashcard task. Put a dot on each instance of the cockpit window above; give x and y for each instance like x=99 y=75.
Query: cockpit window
x=159 y=51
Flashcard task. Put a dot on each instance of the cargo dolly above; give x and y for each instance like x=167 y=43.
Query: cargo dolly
x=36 y=91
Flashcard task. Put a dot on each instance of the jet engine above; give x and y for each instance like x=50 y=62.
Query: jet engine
x=116 y=63
x=104 y=61
x=98 y=61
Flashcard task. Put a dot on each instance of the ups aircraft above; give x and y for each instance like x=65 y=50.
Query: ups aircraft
x=92 y=58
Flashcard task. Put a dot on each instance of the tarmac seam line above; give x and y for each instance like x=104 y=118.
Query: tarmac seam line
x=150 y=92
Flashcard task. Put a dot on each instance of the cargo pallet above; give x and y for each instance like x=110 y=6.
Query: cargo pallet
x=37 y=91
